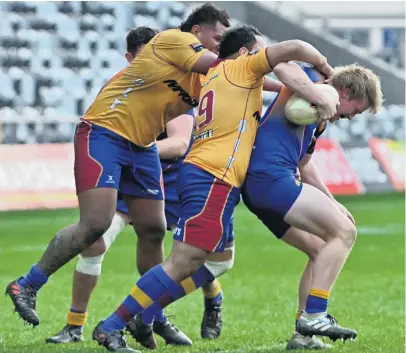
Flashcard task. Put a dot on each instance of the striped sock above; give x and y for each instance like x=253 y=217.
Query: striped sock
x=317 y=301
x=214 y=296
x=76 y=318
x=148 y=289
x=200 y=278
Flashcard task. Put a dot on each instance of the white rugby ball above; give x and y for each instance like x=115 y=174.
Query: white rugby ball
x=301 y=112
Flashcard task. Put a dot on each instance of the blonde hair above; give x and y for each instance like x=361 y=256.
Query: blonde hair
x=360 y=83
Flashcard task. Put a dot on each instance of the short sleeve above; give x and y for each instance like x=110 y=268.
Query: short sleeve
x=178 y=48
x=257 y=63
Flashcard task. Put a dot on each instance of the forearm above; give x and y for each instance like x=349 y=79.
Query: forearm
x=295 y=50
x=296 y=79
x=271 y=85
x=172 y=147
x=310 y=175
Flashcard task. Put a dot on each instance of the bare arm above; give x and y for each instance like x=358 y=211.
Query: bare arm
x=204 y=63
x=300 y=51
x=179 y=131
x=271 y=85
x=294 y=78
x=309 y=174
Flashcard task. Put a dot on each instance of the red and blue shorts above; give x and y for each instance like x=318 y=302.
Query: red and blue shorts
x=104 y=159
x=207 y=207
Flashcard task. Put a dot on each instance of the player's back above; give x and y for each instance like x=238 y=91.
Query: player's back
x=228 y=116
x=280 y=144
x=155 y=88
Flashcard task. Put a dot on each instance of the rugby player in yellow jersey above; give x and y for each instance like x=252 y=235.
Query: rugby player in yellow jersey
x=115 y=148
x=208 y=195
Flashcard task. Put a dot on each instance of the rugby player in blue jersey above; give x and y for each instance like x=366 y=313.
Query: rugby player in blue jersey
x=304 y=213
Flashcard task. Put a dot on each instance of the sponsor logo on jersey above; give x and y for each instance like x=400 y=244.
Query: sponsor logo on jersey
x=175 y=87
x=197 y=47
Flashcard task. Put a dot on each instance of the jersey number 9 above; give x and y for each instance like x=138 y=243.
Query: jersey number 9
x=206 y=109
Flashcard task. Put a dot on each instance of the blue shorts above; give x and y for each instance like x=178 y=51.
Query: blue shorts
x=271 y=200
x=105 y=159
x=207 y=206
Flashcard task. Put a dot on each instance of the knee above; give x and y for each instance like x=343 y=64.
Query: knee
x=347 y=233
x=95 y=228
x=222 y=264
x=151 y=233
x=96 y=249
x=184 y=264
x=314 y=249
x=90 y=265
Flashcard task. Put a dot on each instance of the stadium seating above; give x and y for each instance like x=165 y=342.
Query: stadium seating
x=55 y=56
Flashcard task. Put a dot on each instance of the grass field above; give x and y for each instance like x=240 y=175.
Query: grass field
x=260 y=292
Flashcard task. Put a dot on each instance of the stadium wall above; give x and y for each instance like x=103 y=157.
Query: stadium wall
x=41 y=175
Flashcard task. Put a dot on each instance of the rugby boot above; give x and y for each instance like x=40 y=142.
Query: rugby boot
x=299 y=341
x=24 y=300
x=170 y=333
x=141 y=332
x=212 y=322
x=114 y=341
x=69 y=334
x=324 y=325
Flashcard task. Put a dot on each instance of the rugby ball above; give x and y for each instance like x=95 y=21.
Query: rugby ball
x=301 y=112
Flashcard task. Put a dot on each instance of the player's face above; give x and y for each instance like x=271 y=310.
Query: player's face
x=210 y=36
x=260 y=43
x=349 y=107
x=131 y=56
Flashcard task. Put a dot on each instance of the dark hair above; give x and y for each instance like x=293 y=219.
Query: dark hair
x=236 y=38
x=138 y=36
x=205 y=14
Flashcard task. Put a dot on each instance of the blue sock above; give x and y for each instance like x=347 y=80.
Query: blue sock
x=155 y=312
x=160 y=316
x=317 y=301
x=152 y=312
x=35 y=279
x=147 y=291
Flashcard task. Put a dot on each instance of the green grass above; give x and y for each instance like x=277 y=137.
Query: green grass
x=260 y=292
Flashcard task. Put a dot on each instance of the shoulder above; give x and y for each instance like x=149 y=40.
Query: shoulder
x=176 y=36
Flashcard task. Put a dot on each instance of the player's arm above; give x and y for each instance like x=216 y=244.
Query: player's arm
x=179 y=131
x=295 y=78
x=309 y=174
x=297 y=50
x=272 y=85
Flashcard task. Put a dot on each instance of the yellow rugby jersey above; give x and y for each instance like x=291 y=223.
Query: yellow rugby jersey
x=155 y=88
x=228 y=116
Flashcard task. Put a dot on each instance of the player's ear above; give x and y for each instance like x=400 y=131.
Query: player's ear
x=196 y=30
x=243 y=51
x=327 y=81
x=129 y=57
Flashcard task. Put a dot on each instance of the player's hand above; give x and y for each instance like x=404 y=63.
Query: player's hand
x=327 y=106
x=297 y=174
x=344 y=210
x=326 y=70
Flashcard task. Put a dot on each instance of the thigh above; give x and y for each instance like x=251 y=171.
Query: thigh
x=98 y=157
x=207 y=206
x=97 y=207
x=303 y=241
x=142 y=175
x=147 y=215
x=314 y=212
